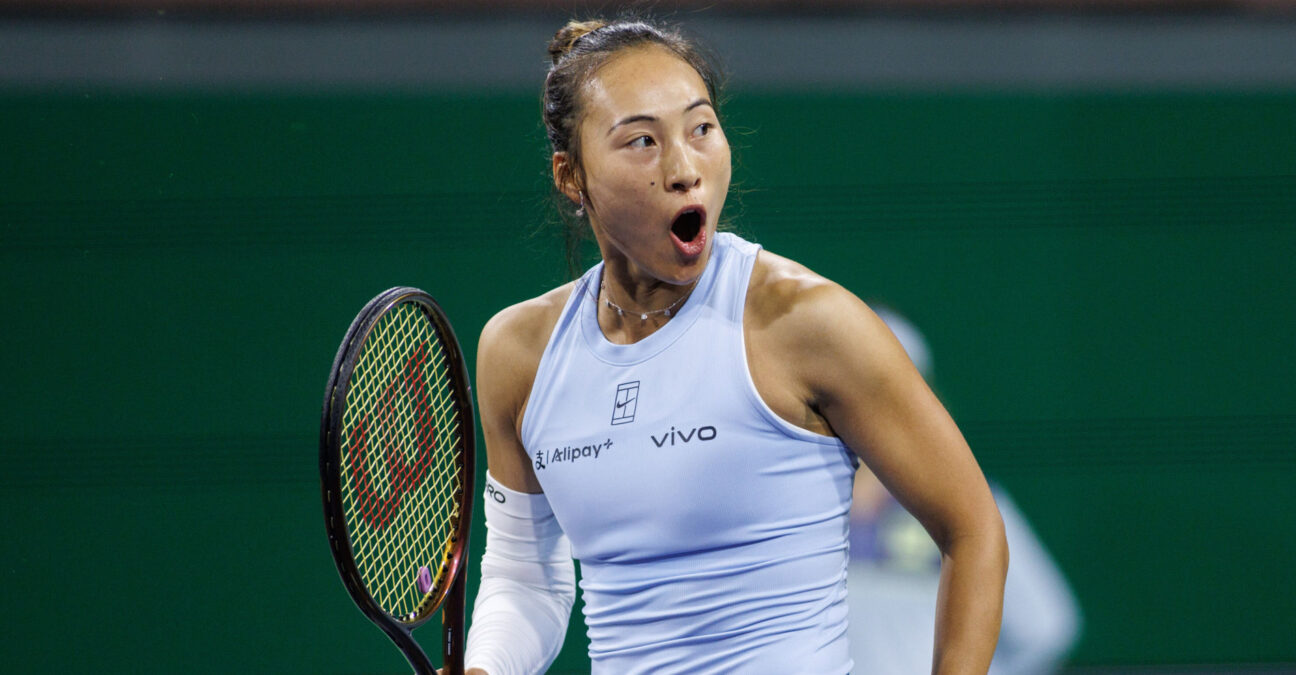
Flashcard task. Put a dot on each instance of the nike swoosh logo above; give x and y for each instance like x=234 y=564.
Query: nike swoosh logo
x=622 y=405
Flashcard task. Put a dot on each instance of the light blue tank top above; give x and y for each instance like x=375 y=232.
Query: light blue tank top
x=712 y=534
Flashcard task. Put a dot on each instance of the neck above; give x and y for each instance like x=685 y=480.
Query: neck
x=629 y=312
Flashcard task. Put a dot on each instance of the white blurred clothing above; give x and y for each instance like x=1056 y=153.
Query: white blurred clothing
x=892 y=581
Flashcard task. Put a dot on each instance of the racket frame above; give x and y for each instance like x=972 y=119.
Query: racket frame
x=448 y=597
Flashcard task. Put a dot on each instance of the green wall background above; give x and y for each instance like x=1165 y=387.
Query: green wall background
x=1105 y=279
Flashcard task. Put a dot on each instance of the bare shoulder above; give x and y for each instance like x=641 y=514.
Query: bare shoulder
x=813 y=334
x=509 y=351
x=523 y=325
x=794 y=302
x=805 y=336
x=513 y=340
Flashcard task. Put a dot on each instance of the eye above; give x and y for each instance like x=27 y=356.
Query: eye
x=642 y=142
x=703 y=129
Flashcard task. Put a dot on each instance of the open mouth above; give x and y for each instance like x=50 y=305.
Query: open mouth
x=687 y=225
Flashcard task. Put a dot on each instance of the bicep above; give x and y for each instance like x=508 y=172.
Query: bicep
x=880 y=406
x=507 y=460
x=501 y=395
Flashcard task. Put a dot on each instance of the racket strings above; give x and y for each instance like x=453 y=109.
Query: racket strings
x=402 y=446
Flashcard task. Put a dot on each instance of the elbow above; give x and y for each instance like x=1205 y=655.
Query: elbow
x=995 y=539
x=1000 y=546
x=982 y=542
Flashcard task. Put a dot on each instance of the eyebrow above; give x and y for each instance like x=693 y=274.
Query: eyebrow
x=649 y=118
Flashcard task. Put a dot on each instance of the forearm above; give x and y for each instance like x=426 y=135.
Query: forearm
x=527 y=587
x=969 y=605
x=517 y=628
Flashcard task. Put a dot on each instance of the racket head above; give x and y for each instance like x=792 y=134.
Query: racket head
x=397 y=440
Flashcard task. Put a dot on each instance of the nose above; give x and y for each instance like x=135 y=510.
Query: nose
x=682 y=172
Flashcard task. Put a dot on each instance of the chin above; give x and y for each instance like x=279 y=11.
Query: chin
x=685 y=272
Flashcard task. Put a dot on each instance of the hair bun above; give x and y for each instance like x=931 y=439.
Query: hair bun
x=566 y=37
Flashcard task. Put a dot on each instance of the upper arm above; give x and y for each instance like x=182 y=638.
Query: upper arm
x=508 y=355
x=857 y=377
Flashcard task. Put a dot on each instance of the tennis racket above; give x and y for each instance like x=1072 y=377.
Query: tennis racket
x=396 y=470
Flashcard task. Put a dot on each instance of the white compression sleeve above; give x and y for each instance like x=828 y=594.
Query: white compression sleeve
x=528 y=586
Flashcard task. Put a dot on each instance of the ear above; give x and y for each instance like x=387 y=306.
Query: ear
x=564 y=176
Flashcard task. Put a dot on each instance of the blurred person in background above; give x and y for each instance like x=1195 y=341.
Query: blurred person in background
x=894 y=573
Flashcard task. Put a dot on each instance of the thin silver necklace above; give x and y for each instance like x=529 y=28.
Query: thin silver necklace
x=643 y=316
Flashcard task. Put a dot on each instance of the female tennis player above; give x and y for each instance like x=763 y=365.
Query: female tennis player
x=686 y=417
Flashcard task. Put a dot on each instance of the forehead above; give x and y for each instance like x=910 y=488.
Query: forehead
x=647 y=80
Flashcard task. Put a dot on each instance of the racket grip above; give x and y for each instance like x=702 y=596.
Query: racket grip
x=452 y=619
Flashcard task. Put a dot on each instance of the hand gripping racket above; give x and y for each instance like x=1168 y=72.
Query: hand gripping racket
x=396 y=470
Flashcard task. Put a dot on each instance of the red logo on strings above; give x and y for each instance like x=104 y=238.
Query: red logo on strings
x=403 y=476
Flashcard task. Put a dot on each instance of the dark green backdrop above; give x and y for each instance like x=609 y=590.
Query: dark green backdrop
x=1105 y=280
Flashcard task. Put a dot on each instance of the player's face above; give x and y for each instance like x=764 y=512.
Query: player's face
x=656 y=164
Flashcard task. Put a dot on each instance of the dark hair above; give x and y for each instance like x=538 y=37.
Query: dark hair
x=577 y=51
